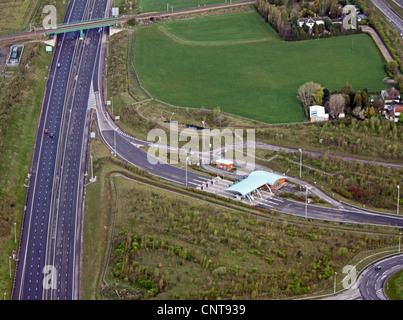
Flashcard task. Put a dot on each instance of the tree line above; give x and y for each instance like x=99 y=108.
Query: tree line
x=288 y=28
x=347 y=101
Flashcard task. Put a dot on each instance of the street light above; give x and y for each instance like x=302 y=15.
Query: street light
x=300 y=162
x=114 y=138
x=92 y=170
x=398 y=194
x=186 y=163
x=306 y=202
x=335 y=274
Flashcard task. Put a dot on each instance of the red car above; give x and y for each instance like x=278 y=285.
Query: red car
x=46 y=131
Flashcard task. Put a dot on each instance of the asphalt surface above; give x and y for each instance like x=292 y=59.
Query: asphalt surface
x=65 y=246
x=372 y=282
x=48 y=237
x=33 y=243
x=391 y=16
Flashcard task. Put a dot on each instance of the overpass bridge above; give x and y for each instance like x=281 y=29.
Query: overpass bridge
x=81 y=26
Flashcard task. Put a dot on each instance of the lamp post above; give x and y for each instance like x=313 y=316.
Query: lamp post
x=306 y=202
x=186 y=163
x=398 y=194
x=92 y=170
x=399 y=242
x=335 y=274
x=114 y=139
x=300 y=162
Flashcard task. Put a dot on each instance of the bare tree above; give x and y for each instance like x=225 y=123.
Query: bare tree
x=337 y=103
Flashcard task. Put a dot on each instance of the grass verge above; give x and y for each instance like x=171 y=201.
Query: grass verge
x=21 y=101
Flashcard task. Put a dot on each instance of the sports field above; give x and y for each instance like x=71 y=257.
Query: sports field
x=239 y=63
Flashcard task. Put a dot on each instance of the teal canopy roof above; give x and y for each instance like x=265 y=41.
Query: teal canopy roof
x=254 y=181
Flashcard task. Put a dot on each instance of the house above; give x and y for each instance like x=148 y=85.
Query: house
x=390 y=96
x=317 y=113
x=224 y=164
x=393 y=112
x=310 y=22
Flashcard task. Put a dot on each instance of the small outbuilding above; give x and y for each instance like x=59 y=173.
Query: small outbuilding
x=224 y=164
x=317 y=113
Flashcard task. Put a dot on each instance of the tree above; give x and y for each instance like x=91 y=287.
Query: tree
x=399 y=83
x=401 y=117
x=306 y=93
x=364 y=99
x=391 y=67
x=326 y=95
x=359 y=113
x=334 y=10
x=337 y=103
x=317 y=97
x=328 y=23
x=347 y=88
x=347 y=100
x=358 y=99
x=370 y=112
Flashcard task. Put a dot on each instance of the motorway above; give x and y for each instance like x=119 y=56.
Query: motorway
x=391 y=16
x=47 y=253
x=51 y=233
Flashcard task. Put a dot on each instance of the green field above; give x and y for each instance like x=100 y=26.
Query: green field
x=239 y=63
x=394 y=287
x=161 y=5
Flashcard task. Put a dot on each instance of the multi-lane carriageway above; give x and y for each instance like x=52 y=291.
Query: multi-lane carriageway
x=48 y=244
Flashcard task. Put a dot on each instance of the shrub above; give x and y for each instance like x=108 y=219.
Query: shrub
x=343 y=192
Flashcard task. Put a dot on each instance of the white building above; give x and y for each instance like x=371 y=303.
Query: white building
x=317 y=113
x=310 y=22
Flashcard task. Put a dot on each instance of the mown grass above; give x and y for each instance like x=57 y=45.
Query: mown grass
x=20 y=105
x=394 y=286
x=203 y=63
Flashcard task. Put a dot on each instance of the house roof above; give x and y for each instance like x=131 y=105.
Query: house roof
x=391 y=93
x=224 y=161
x=254 y=181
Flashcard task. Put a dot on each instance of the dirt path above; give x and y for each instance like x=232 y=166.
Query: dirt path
x=385 y=52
